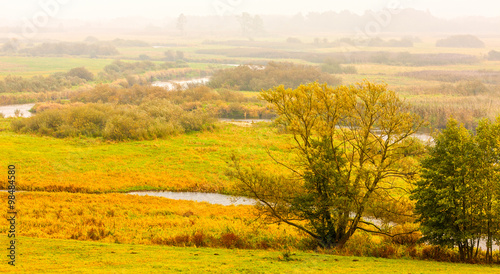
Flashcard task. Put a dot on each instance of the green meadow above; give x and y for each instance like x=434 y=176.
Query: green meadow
x=31 y=66
x=58 y=256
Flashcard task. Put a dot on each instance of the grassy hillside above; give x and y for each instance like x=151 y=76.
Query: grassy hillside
x=192 y=162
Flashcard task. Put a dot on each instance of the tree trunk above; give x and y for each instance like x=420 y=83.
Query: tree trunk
x=489 y=240
x=461 y=251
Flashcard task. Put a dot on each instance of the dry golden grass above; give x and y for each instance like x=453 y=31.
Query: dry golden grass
x=124 y=218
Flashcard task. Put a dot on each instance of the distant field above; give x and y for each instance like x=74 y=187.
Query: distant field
x=49 y=255
x=417 y=48
x=31 y=66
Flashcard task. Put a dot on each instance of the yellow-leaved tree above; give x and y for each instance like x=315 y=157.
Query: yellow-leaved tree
x=353 y=146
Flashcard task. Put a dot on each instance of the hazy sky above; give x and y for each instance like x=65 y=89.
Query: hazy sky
x=158 y=9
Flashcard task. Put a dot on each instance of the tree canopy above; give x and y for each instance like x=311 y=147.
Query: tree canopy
x=352 y=145
x=456 y=197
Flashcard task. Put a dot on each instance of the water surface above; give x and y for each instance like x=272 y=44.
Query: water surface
x=212 y=198
x=184 y=83
x=9 y=111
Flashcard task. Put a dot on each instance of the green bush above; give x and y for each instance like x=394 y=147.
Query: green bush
x=129 y=125
x=494 y=55
x=115 y=122
x=256 y=78
x=81 y=73
x=461 y=41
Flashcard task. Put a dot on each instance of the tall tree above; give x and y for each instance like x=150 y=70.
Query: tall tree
x=352 y=145
x=449 y=195
x=181 y=23
x=245 y=23
x=251 y=25
x=488 y=142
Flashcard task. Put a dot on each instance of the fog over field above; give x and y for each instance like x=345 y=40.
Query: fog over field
x=216 y=17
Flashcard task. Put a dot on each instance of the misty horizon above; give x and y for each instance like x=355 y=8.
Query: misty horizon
x=160 y=10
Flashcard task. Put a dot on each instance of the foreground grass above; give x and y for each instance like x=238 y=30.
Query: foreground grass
x=47 y=255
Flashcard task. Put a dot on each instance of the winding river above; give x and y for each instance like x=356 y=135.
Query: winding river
x=226 y=200
x=183 y=84
x=212 y=198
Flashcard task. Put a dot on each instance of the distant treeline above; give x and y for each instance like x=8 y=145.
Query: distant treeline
x=54 y=82
x=354 y=57
x=72 y=48
x=149 y=120
x=90 y=46
x=256 y=78
x=27 y=98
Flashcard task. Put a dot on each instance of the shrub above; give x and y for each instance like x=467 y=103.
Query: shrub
x=360 y=244
x=438 y=253
x=120 y=122
x=39 y=84
x=199 y=239
x=256 y=78
x=409 y=234
x=127 y=126
x=293 y=40
x=494 y=55
x=231 y=240
x=180 y=240
x=384 y=250
x=349 y=69
x=461 y=41
x=81 y=73
x=330 y=66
